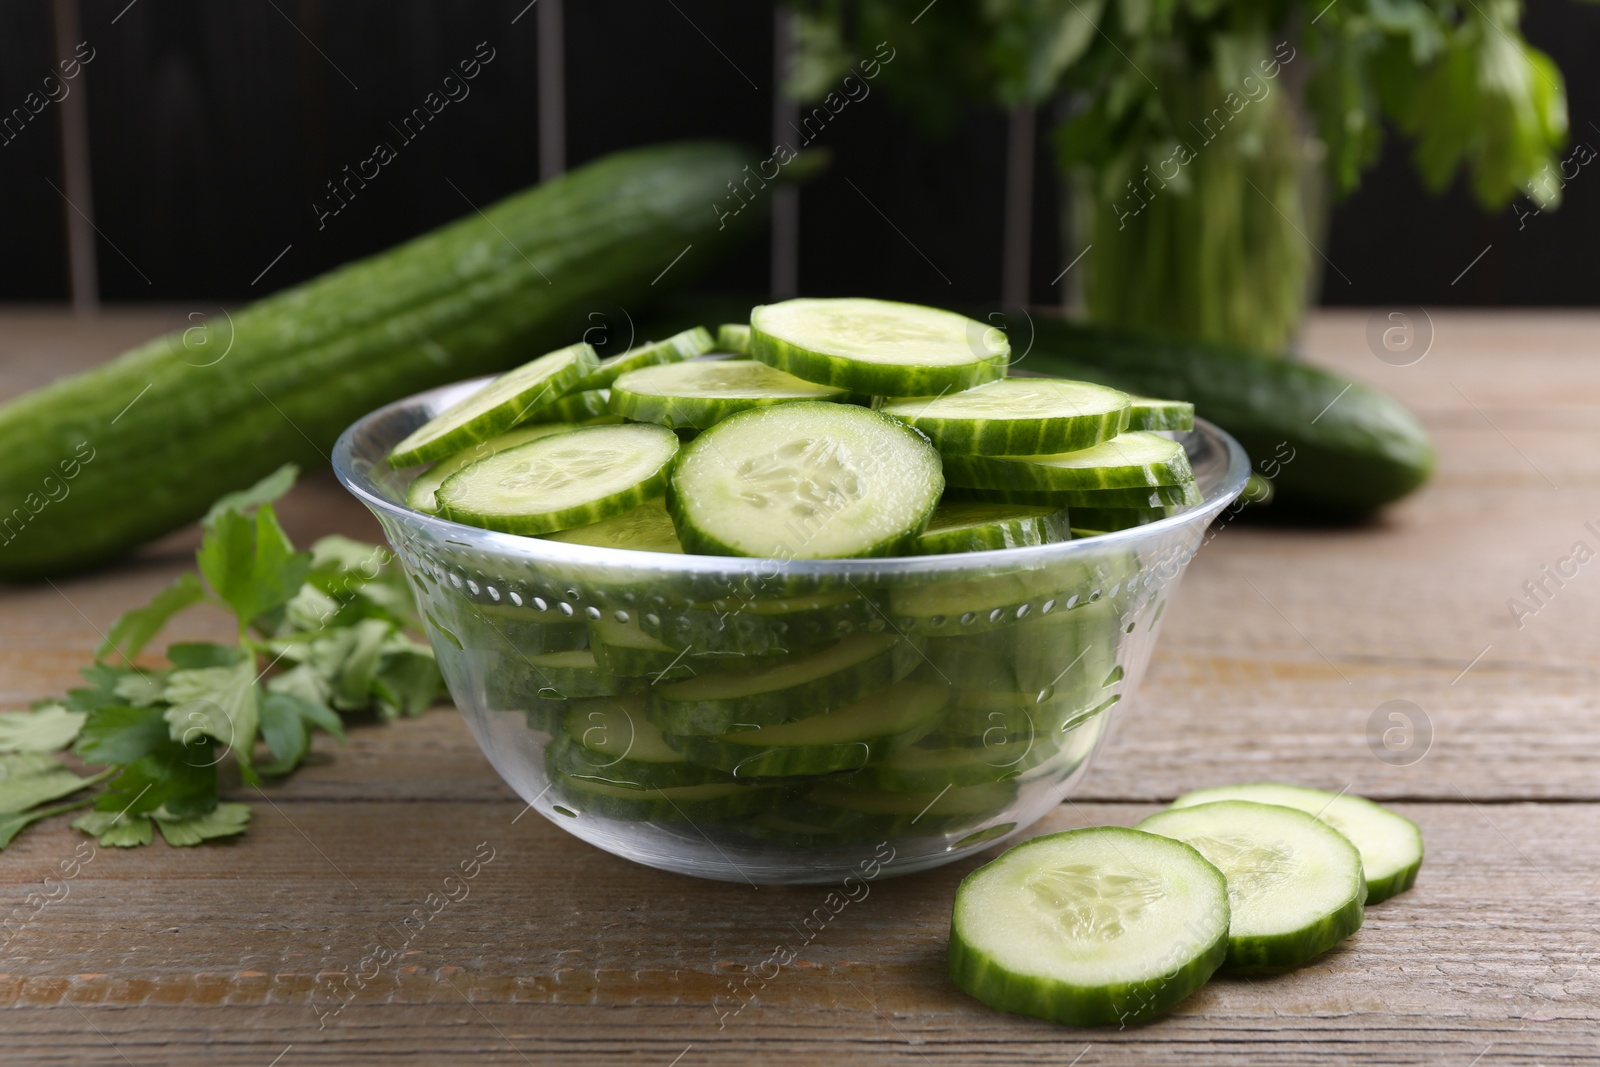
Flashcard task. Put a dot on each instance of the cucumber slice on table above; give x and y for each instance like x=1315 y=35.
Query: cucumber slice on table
x=1147 y=413
x=609 y=740
x=1132 y=460
x=1294 y=883
x=562 y=481
x=805 y=481
x=1017 y=417
x=977 y=526
x=646 y=528
x=877 y=347
x=1089 y=927
x=844 y=738
x=794 y=689
x=1390 y=844
x=678 y=347
x=734 y=337
x=420 y=494
x=701 y=394
x=514 y=397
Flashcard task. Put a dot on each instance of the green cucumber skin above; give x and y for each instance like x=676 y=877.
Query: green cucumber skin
x=734 y=338
x=1279 y=953
x=874 y=379
x=1002 y=437
x=1352 y=454
x=165 y=435
x=652 y=804
x=1018 y=473
x=1398 y=882
x=568 y=758
x=1148 y=498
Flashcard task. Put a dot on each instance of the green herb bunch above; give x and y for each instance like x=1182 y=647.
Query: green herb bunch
x=322 y=635
x=1170 y=110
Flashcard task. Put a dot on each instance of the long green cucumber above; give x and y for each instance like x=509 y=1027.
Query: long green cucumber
x=95 y=464
x=1337 y=446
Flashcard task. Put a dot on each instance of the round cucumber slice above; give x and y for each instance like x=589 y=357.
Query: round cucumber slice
x=764 y=625
x=647 y=528
x=514 y=397
x=580 y=406
x=978 y=525
x=1089 y=927
x=420 y=494
x=1129 y=461
x=734 y=337
x=797 y=687
x=569 y=675
x=845 y=738
x=1294 y=884
x=805 y=481
x=561 y=481
x=678 y=347
x=877 y=347
x=622 y=648
x=609 y=740
x=1017 y=417
x=1086 y=522
x=1390 y=844
x=701 y=394
x=1146 y=413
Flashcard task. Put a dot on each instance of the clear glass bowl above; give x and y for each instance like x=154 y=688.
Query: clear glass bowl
x=769 y=721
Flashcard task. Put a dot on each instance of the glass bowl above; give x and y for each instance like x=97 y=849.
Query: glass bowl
x=780 y=721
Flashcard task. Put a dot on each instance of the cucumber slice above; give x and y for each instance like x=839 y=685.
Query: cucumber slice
x=513 y=630
x=579 y=406
x=977 y=526
x=734 y=337
x=685 y=803
x=514 y=397
x=1017 y=417
x=1147 y=497
x=845 y=738
x=805 y=481
x=420 y=494
x=1390 y=844
x=759 y=626
x=1086 y=522
x=1147 y=413
x=1089 y=927
x=1132 y=460
x=798 y=687
x=1294 y=883
x=609 y=740
x=622 y=648
x=877 y=347
x=701 y=394
x=570 y=675
x=561 y=481
x=647 y=528
x=850 y=811
x=680 y=346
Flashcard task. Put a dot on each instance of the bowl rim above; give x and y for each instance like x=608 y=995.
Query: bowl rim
x=524 y=545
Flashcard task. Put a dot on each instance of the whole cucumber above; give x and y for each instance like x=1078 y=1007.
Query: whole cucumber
x=1354 y=447
x=95 y=464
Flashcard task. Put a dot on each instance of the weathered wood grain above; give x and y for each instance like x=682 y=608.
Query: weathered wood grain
x=1273 y=658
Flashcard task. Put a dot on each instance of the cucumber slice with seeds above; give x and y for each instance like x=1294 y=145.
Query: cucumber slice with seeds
x=845 y=738
x=1390 y=844
x=420 y=494
x=678 y=347
x=1146 y=413
x=701 y=394
x=734 y=337
x=646 y=528
x=1131 y=460
x=978 y=526
x=805 y=481
x=1294 y=883
x=562 y=481
x=514 y=397
x=1017 y=417
x=877 y=347
x=798 y=687
x=1089 y=927
x=609 y=740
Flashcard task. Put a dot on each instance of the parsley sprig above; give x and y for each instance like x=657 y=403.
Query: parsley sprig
x=322 y=634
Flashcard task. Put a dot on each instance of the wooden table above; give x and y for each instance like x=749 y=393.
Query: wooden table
x=1275 y=656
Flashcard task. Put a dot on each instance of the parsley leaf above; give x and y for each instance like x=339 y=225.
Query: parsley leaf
x=266 y=491
x=49 y=728
x=29 y=778
x=250 y=564
x=216 y=702
x=225 y=820
x=132 y=630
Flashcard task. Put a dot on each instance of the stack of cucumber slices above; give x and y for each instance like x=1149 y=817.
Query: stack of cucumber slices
x=1110 y=925
x=833 y=428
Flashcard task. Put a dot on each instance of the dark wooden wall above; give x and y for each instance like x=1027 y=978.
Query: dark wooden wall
x=215 y=124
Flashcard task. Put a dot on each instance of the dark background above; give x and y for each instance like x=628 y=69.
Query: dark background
x=214 y=125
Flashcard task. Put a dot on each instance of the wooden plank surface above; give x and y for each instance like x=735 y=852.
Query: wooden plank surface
x=1273 y=659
